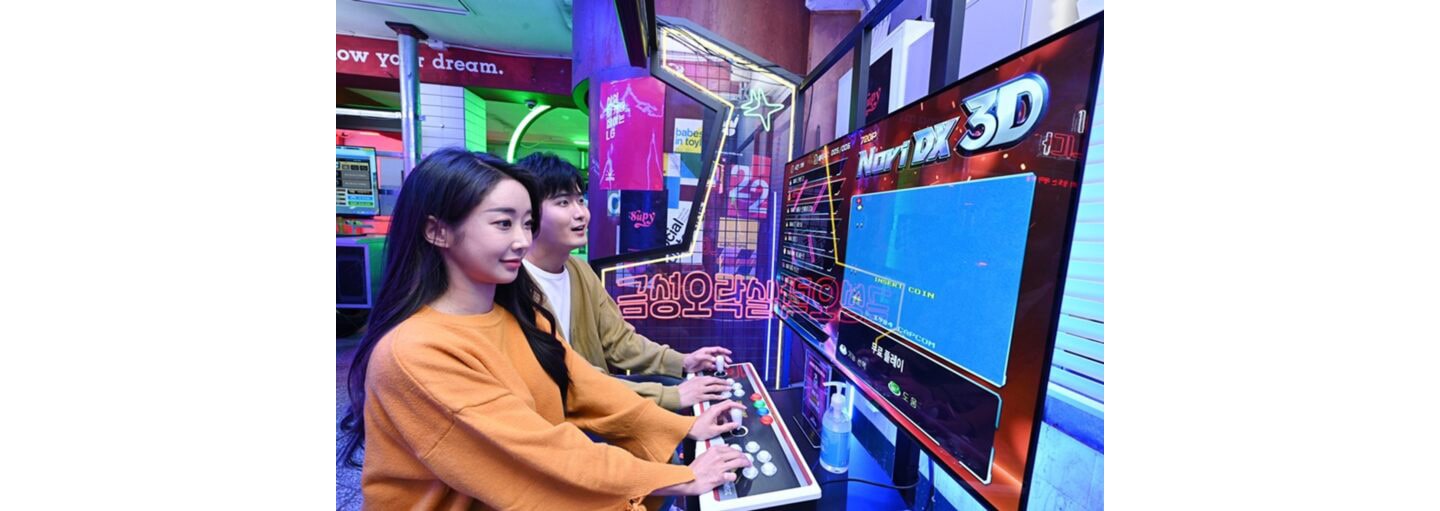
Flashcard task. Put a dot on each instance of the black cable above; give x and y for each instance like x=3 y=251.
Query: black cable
x=873 y=483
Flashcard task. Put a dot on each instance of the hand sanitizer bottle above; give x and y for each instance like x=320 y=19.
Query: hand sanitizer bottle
x=835 y=433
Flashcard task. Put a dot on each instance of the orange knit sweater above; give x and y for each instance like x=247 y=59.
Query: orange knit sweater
x=460 y=415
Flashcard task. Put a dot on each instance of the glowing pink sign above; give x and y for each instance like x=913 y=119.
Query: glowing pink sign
x=632 y=117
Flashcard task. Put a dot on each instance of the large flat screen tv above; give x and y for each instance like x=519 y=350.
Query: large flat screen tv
x=926 y=254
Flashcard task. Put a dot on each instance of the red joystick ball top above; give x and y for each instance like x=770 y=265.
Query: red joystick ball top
x=766 y=420
x=755 y=396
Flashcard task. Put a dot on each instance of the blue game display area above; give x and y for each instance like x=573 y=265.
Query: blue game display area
x=924 y=261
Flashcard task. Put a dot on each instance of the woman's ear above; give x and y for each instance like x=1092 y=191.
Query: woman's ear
x=436 y=233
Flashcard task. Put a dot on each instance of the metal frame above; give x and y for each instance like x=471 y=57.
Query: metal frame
x=407 y=38
x=716 y=113
x=859 y=78
x=637 y=26
x=769 y=68
x=949 y=19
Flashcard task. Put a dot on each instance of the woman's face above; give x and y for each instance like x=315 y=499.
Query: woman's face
x=490 y=243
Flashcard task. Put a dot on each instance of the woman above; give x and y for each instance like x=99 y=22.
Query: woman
x=468 y=395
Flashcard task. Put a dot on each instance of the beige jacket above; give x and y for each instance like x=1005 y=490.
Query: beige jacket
x=603 y=338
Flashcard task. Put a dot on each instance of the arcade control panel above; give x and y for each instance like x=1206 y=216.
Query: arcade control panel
x=779 y=474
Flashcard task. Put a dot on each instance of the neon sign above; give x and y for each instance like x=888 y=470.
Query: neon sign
x=760 y=106
x=642 y=218
x=695 y=294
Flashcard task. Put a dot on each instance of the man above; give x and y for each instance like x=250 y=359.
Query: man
x=588 y=318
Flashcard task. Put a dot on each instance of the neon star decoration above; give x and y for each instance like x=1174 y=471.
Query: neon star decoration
x=760 y=106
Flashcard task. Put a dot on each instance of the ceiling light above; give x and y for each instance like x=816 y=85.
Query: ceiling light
x=521 y=128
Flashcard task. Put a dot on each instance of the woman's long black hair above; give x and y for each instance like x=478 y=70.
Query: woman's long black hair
x=447 y=185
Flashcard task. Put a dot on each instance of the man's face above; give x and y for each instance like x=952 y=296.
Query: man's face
x=564 y=221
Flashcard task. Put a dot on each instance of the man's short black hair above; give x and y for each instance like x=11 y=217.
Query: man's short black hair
x=554 y=175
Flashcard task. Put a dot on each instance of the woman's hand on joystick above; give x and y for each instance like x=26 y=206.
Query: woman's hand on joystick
x=712 y=468
x=707 y=424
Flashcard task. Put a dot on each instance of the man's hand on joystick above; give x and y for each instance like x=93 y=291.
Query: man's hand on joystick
x=703 y=359
x=721 y=362
x=702 y=388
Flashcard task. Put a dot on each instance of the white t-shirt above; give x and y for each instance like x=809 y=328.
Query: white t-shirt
x=556 y=287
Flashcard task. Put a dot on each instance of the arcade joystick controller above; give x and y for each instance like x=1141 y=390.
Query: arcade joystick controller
x=779 y=474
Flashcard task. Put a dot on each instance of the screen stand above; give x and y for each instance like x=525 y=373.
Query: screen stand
x=907 y=466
